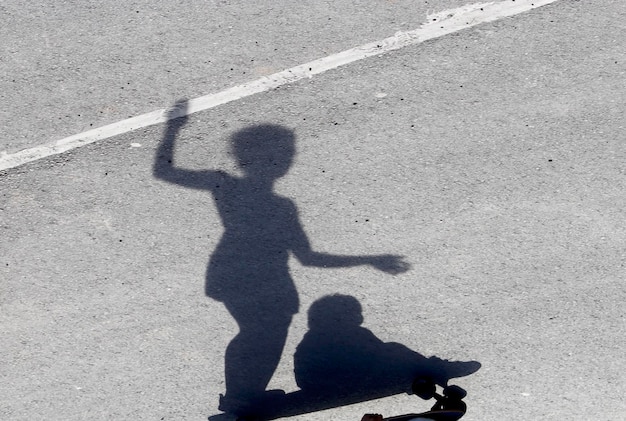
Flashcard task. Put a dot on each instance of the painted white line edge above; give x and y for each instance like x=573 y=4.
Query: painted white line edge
x=438 y=25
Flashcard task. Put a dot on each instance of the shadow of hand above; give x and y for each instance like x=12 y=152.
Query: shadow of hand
x=390 y=263
x=177 y=115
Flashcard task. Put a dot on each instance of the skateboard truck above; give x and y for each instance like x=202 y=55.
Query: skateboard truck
x=450 y=400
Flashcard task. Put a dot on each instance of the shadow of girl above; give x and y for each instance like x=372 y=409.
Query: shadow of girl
x=248 y=271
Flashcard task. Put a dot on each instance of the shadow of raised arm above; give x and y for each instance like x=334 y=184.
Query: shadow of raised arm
x=164 y=167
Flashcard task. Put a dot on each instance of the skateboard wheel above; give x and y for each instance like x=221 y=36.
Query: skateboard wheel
x=424 y=388
x=454 y=392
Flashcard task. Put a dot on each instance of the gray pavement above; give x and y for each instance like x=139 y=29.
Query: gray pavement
x=491 y=159
x=69 y=67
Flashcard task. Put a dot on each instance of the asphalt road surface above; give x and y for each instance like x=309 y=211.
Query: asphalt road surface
x=491 y=159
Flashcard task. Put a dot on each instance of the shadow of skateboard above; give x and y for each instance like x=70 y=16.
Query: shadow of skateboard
x=273 y=404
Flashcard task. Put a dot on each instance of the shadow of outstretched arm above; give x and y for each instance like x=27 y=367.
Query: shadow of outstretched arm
x=388 y=263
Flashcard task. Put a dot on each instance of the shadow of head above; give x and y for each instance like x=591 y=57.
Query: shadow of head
x=335 y=312
x=264 y=151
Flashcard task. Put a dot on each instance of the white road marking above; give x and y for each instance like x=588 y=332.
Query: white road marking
x=438 y=25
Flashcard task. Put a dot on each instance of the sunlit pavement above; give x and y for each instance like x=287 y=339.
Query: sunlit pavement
x=491 y=159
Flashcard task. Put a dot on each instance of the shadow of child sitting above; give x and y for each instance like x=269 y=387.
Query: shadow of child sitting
x=338 y=356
